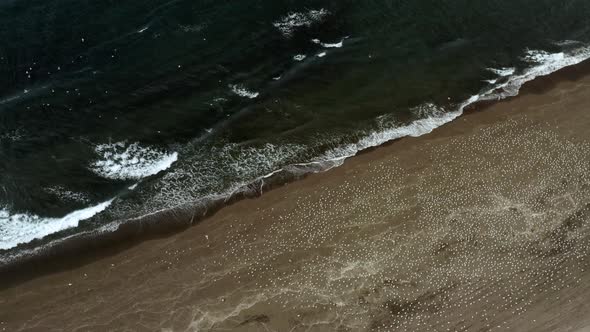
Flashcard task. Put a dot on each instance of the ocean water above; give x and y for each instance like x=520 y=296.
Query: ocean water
x=110 y=111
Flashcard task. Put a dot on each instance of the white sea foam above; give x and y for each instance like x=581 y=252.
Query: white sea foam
x=67 y=195
x=299 y=57
x=13 y=135
x=568 y=43
x=293 y=21
x=20 y=95
x=329 y=45
x=9 y=99
x=243 y=92
x=142 y=30
x=122 y=161
x=245 y=164
x=182 y=186
x=542 y=63
x=234 y=166
x=193 y=28
x=321 y=55
x=435 y=118
x=22 y=228
x=335 y=45
x=503 y=72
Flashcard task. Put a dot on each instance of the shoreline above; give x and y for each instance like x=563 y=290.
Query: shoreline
x=84 y=248
x=482 y=224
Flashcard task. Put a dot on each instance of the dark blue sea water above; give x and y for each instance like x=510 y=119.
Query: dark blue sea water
x=111 y=110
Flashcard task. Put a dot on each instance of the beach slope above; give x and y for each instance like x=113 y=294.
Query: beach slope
x=482 y=225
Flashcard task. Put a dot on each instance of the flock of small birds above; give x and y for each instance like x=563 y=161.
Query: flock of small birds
x=482 y=232
x=446 y=237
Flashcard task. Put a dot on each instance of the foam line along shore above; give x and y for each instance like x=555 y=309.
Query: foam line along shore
x=482 y=223
x=130 y=161
x=182 y=107
x=119 y=235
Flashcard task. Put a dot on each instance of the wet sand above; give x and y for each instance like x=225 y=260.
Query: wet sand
x=482 y=225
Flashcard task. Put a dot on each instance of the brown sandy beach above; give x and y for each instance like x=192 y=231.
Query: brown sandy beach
x=482 y=225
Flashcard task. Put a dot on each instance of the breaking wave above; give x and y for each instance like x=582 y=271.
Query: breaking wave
x=238 y=169
x=243 y=92
x=23 y=228
x=542 y=63
x=288 y=24
x=122 y=161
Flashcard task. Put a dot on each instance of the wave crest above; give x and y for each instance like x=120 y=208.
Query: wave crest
x=122 y=161
x=288 y=24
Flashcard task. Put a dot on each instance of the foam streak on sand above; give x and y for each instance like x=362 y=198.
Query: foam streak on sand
x=22 y=228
